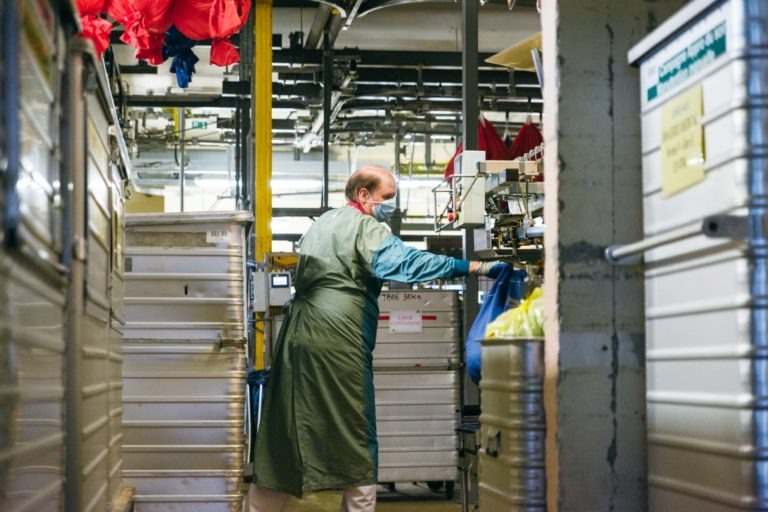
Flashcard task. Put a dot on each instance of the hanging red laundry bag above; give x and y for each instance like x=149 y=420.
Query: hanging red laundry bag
x=145 y=24
x=488 y=140
x=527 y=139
x=95 y=28
x=216 y=20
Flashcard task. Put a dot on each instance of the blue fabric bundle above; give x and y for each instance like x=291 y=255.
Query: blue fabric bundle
x=508 y=284
x=179 y=47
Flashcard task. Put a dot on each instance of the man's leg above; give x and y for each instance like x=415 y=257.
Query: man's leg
x=261 y=499
x=359 y=499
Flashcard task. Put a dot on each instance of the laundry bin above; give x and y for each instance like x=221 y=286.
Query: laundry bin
x=512 y=426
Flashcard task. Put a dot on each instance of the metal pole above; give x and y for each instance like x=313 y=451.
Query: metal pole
x=238 y=155
x=469 y=74
x=397 y=168
x=327 y=86
x=181 y=158
x=9 y=90
x=262 y=146
x=74 y=145
x=427 y=152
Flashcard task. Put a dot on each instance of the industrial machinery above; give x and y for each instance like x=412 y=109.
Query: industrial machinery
x=504 y=196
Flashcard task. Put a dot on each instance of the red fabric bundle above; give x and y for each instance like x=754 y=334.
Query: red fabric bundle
x=527 y=139
x=95 y=28
x=488 y=140
x=216 y=20
x=145 y=24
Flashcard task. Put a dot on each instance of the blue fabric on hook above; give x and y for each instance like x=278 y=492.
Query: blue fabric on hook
x=179 y=47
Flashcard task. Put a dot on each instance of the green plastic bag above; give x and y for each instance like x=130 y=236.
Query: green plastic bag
x=524 y=321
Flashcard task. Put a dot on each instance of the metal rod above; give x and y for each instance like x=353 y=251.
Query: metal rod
x=470 y=111
x=327 y=86
x=397 y=167
x=182 y=129
x=615 y=253
x=238 y=156
x=469 y=74
x=352 y=14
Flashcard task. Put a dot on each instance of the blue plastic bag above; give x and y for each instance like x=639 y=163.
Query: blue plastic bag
x=508 y=285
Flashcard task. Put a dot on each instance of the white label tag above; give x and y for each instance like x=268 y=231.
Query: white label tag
x=405 y=321
x=219 y=236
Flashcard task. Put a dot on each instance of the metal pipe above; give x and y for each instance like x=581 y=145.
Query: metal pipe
x=397 y=167
x=327 y=86
x=181 y=158
x=238 y=157
x=318 y=26
x=615 y=253
x=352 y=14
x=427 y=151
x=469 y=74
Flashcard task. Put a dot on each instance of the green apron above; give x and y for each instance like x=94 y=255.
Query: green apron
x=318 y=426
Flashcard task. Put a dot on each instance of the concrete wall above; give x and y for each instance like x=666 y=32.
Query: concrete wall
x=595 y=387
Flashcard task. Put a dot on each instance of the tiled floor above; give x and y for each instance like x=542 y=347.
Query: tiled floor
x=405 y=498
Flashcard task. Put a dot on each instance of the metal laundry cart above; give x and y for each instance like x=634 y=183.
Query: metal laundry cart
x=185 y=360
x=417 y=379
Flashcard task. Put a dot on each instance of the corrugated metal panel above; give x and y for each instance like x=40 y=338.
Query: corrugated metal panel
x=512 y=426
x=31 y=389
x=32 y=294
x=705 y=321
x=416 y=418
x=201 y=265
x=39 y=75
x=184 y=361
x=437 y=343
x=417 y=387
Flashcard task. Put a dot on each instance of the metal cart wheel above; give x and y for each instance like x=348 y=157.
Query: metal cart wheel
x=449 y=485
x=435 y=485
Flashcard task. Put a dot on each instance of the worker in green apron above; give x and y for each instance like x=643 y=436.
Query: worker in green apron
x=318 y=427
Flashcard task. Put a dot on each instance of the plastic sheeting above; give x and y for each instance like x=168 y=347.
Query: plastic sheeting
x=508 y=285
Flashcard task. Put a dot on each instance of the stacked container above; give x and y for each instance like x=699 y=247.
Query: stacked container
x=32 y=283
x=94 y=364
x=703 y=88
x=418 y=379
x=512 y=472
x=60 y=367
x=185 y=360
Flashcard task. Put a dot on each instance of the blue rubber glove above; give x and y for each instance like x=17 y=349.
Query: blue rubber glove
x=491 y=269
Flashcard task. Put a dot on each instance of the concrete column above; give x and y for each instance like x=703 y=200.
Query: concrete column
x=595 y=369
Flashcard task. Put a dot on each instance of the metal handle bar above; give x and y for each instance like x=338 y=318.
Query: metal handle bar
x=714 y=226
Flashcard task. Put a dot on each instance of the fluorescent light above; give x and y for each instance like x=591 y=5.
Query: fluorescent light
x=411 y=184
x=295 y=185
x=214 y=184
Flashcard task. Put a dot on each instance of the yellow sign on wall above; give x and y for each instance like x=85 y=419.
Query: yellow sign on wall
x=682 y=142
